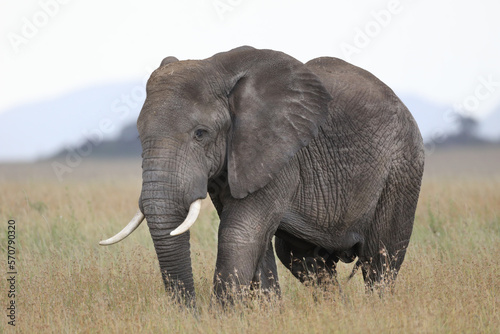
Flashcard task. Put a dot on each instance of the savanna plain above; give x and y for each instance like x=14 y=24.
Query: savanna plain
x=67 y=283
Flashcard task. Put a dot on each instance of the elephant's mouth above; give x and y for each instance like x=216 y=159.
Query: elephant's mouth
x=194 y=211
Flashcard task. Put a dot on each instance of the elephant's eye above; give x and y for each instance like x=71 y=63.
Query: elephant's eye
x=199 y=134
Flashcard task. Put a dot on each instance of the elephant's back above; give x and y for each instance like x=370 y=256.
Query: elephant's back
x=369 y=107
x=346 y=81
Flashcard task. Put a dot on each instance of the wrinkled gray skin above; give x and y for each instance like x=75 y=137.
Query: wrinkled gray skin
x=323 y=155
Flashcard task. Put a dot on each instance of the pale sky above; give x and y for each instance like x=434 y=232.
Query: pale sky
x=445 y=51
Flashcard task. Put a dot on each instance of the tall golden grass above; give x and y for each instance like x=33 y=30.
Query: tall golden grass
x=67 y=283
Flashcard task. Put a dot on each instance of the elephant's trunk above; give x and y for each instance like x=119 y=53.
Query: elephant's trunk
x=172 y=183
x=175 y=263
x=170 y=186
x=173 y=251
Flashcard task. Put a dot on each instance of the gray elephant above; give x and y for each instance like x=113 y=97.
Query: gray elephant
x=321 y=155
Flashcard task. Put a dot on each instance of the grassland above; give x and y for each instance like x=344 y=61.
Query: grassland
x=66 y=283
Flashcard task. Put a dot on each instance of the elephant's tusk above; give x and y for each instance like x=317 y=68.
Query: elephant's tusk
x=134 y=223
x=194 y=211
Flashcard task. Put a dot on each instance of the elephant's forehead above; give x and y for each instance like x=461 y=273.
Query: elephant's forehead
x=179 y=104
x=175 y=114
x=175 y=91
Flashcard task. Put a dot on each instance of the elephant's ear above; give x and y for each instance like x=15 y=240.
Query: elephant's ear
x=276 y=106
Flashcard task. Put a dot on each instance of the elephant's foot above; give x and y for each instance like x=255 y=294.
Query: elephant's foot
x=380 y=271
x=228 y=293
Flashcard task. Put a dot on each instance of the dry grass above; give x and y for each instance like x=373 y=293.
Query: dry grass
x=449 y=282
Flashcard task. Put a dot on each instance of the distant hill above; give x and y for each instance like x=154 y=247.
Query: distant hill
x=440 y=128
x=40 y=129
x=432 y=118
x=466 y=135
x=107 y=114
x=126 y=145
x=490 y=126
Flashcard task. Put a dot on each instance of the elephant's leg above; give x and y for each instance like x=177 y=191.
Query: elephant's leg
x=307 y=262
x=266 y=275
x=385 y=245
x=244 y=254
x=293 y=263
x=242 y=267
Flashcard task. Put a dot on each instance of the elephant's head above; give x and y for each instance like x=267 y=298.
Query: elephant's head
x=242 y=113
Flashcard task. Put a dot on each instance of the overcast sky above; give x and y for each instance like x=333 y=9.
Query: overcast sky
x=444 y=51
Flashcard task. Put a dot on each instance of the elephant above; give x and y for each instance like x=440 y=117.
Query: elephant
x=322 y=156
